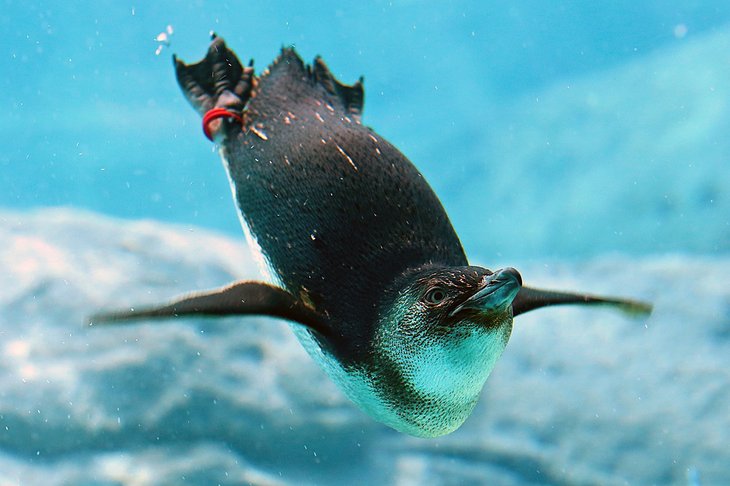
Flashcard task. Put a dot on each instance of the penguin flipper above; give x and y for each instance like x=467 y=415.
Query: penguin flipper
x=239 y=298
x=529 y=299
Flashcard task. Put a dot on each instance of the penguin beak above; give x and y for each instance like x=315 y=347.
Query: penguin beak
x=497 y=290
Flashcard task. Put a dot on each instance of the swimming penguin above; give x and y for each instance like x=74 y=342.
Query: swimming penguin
x=362 y=257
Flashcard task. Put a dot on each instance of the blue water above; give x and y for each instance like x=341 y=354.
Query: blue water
x=584 y=142
x=95 y=119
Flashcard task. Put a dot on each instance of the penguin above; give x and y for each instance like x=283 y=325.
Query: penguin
x=363 y=261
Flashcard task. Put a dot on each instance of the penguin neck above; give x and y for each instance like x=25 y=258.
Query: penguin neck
x=432 y=388
x=425 y=394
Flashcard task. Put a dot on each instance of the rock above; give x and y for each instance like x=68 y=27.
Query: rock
x=581 y=396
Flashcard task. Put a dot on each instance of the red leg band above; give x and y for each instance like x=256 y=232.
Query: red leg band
x=214 y=114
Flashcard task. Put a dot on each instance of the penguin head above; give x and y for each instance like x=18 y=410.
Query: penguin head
x=440 y=334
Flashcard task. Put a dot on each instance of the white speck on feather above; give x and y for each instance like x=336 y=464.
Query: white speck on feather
x=349 y=159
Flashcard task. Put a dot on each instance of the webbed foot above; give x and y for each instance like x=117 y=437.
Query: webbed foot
x=218 y=81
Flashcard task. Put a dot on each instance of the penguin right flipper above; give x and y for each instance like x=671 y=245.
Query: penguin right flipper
x=239 y=298
x=218 y=81
x=529 y=299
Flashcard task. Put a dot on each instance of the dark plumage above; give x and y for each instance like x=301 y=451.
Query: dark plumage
x=338 y=212
x=362 y=253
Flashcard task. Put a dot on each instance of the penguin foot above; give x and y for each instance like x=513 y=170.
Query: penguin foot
x=218 y=81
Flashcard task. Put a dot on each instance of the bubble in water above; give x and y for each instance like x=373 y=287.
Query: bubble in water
x=680 y=30
x=163 y=39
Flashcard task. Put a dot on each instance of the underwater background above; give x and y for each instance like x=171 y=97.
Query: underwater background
x=584 y=143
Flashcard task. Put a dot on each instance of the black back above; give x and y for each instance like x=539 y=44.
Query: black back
x=339 y=212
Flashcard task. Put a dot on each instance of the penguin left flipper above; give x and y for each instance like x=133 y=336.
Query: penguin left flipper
x=528 y=299
x=239 y=298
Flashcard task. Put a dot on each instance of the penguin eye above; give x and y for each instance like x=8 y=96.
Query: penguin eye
x=435 y=295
